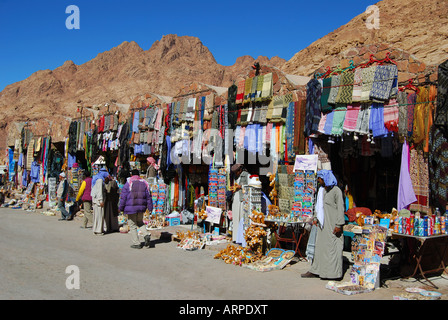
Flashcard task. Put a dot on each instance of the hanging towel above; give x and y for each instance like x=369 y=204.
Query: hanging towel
x=351 y=117
x=383 y=81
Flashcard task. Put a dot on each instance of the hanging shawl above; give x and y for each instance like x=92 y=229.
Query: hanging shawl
x=335 y=82
x=351 y=116
x=267 y=86
x=441 y=116
x=277 y=108
x=326 y=88
x=357 y=85
x=253 y=89
x=438 y=170
x=406 y=194
x=368 y=75
x=313 y=109
x=345 y=92
x=412 y=98
x=391 y=116
x=290 y=130
x=362 y=124
x=329 y=123
x=402 y=100
x=247 y=90
x=231 y=105
x=420 y=115
x=322 y=122
x=376 y=123
x=259 y=90
x=383 y=82
x=240 y=92
x=338 y=119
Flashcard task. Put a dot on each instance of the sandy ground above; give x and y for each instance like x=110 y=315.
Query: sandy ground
x=36 y=251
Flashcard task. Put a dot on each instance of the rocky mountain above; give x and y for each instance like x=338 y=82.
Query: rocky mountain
x=419 y=27
x=119 y=75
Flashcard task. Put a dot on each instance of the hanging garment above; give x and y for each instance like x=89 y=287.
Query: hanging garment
x=383 y=82
x=326 y=88
x=247 y=90
x=351 y=117
x=419 y=172
x=441 y=116
x=267 y=87
x=391 y=115
x=329 y=123
x=406 y=194
x=338 y=119
x=240 y=92
x=402 y=100
x=438 y=166
x=313 y=109
x=335 y=87
x=368 y=75
x=376 y=123
x=362 y=124
x=429 y=120
x=412 y=98
x=259 y=89
x=357 y=85
x=345 y=92
x=290 y=130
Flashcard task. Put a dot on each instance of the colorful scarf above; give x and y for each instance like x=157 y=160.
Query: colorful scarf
x=338 y=119
x=267 y=86
x=326 y=88
x=391 y=116
x=357 y=85
x=412 y=98
x=376 y=123
x=362 y=124
x=259 y=89
x=351 y=116
x=383 y=81
x=345 y=92
x=368 y=75
x=247 y=90
x=402 y=100
x=240 y=92
x=334 y=91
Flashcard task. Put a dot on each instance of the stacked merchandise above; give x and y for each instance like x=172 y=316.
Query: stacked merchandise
x=158 y=192
x=420 y=226
x=367 y=251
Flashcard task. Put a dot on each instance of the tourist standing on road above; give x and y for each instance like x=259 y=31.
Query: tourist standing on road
x=84 y=194
x=135 y=199
x=61 y=196
x=329 y=218
x=98 y=198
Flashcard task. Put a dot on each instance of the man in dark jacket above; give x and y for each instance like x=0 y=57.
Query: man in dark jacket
x=134 y=200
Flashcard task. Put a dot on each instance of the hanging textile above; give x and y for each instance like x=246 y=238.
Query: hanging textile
x=240 y=92
x=313 y=109
x=259 y=89
x=362 y=124
x=338 y=119
x=441 y=116
x=402 y=100
x=406 y=194
x=438 y=168
x=329 y=123
x=232 y=94
x=357 y=85
x=247 y=90
x=391 y=115
x=345 y=93
x=419 y=172
x=376 y=122
x=351 y=117
x=290 y=130
x=368 y=75
x=299 y=124
x=267 y=87
x=253 y=89
x=412 y=98
x=326 y=88
x=335 y=82
x=383 y=82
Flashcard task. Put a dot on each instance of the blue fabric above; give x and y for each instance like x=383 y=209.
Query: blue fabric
x=376 y=121
x=328 y=177
x=135 y=122
x=102 y=174
x=35 y=171
x=71 y=160
x=329 y=123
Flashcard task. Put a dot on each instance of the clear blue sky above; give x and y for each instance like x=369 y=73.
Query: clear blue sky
x=33 y=33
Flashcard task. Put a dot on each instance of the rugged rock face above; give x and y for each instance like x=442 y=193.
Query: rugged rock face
x=419 y=27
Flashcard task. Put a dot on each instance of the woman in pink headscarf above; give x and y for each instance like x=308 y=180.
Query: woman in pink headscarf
x=153 y=167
